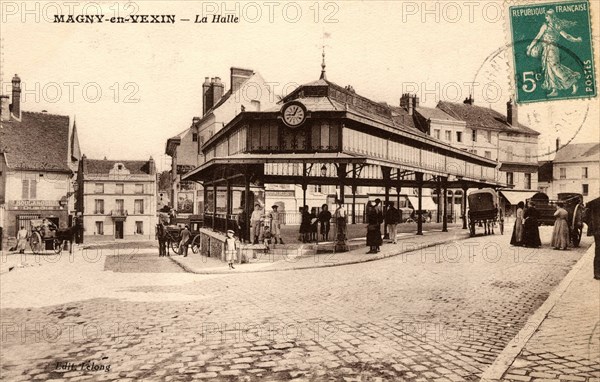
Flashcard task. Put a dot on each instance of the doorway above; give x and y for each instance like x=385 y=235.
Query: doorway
x=118 y=230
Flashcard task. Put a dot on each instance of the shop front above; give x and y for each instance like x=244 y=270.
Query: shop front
x=21 y=212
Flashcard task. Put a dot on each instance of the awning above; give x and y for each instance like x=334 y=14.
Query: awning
x=427 y=204
x=514 y=197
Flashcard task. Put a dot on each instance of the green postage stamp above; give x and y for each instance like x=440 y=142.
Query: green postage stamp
x=552 y=51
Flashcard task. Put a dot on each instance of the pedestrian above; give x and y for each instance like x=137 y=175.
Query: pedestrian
x=592 y=219
x=22 y=236
x=531 y=233
x=231 y=246
x=325 y=220
x=305 y=224
x=391 y=219
x=373 y=228
x=275 y=224
x=241 y=224
x=255 y=219
x=560 y=233
x=517 y=236
x=341 y=230
x=185 y=240
x=314 y=224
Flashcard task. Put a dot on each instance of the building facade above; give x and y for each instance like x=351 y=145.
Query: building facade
x=576 y=168
x=39 y=155
x=248 y=92
x=117 y=199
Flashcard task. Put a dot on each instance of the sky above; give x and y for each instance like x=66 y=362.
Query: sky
x=132 y=86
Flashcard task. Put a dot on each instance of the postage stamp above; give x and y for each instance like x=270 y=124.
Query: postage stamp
x=553 y=56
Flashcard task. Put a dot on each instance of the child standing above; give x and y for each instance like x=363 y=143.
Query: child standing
x=230 y=248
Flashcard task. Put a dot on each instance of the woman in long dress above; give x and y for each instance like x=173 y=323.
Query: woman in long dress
x=560 y=234
x=531 y=233
x=517 y=234
x=556 y=75
x=374 y=239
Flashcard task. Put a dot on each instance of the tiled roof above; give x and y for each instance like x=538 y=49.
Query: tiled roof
x=482 y=117
x=434 y=113
x=40 y=141
x=103 y=166
x=578 y=152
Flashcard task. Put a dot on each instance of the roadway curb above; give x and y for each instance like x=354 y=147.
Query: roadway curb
x=505 y=359
x=366 y=259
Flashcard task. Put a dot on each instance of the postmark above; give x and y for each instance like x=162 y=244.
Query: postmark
x=552 y=51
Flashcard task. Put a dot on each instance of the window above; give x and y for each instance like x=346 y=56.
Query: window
x=510 y=178
x=489 y=137
x=584 y=173
x=139 y=188
x=119 y=188
x=29 y=189
x=324 y=136
x=528 y=181
x=436 y=133
x=119 y=167
x=99 y=206
x=139 y=228
x=120 y=206
x=255 y=105
x=194 y=137
x=138 y=206
x=99 y=228
x=318 y=188
x=488 y=154
x=585 y=189
x=459 y=136
x=509 y=153
x=99 y=188
x=474 y=135
x=448 y=135
x=563 y=173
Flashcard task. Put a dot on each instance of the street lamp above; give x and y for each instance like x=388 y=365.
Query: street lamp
x=324 y=170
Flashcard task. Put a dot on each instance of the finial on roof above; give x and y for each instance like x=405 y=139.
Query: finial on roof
x=323 y=75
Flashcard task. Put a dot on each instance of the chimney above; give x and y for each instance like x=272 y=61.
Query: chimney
x=557 y=144
x=4 y=109
x=206 y=96
x=411 y=105
x=218 y=88
x=512 y=115
x=16 y=97
x=152 y=166
x=415 y=101
x=469 y=101
x=238 y=77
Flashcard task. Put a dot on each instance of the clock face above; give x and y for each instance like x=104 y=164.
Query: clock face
x=294 y=115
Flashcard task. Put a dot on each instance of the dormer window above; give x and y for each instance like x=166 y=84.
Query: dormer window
x=119 y=167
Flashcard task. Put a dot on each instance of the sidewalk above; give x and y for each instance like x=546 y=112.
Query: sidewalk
x=407 y=242
x=563 y=342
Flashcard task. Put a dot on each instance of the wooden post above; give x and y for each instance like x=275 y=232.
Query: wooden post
x=387 y=173
x=445 y=217
x=439 y=201
x=419 y=176
x=214 y=206
x=247 y=207
x=227 y=204
x=464 y=206
x=354 y=204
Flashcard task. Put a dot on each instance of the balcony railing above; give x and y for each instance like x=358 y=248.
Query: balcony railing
x=118 y=214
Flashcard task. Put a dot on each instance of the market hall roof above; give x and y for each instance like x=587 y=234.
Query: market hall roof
x=38 y=142
x=478 y=117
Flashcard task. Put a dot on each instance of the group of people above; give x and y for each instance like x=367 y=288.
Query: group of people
x=310 y=222
x=375 y=216
x=264 y=227
x=526 y=232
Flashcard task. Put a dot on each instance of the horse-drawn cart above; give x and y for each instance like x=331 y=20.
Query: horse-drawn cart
x=44 y=232
x=483 y=211
x=572 y=202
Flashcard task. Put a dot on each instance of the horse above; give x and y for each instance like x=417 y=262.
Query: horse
x=67 y=234
x=163 y=238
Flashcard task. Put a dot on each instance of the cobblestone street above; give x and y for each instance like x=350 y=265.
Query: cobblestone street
x=437 y=314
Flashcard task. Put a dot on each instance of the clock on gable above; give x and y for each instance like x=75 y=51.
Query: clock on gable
x=293 y=114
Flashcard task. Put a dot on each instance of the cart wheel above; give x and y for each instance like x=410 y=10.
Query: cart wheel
x=501 y=227
x=174 y=246
x=35 y=242
x=576 y=236
x=57 y=245
x=196 y=244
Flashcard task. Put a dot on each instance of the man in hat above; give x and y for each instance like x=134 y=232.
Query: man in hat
x=275 y=224
x=592 y=219
x=185 y=240
x=255 y=218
